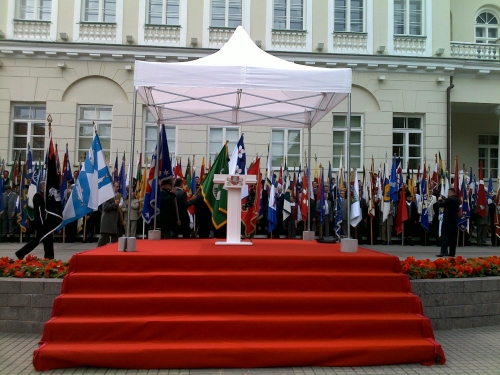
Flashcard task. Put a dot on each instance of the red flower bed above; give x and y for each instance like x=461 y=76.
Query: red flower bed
x=33 y=267
x=442 y=268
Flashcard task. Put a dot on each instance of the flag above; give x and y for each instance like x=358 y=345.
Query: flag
x=122 y=179
x=13 y=172
x=165 y=164
x=269 y=170
x=435 y=175
x=402 y=214
x=456 y=185
x=32 y=190
x=481 y=193
x=272 y=216
x=151 y=186
x=386 y=200
x=93 y=187
x=215 y=196
x=141 y=188
x=139 y=173
x=250 y=212
x=490 y=190
x=21 y=203
x=2 y=187
x=355 y=209
x=304 y=202
x=202 y=169
x=321 y=197
x=280 y=176
x=338 y=211
x=393 y=183
x=115 y=171
x=464 y=211
x=497 y=214
x=178 y=169
x=29 y=162
x=371 y=193
x=424 y=218
x=66 y=176
x=238 y=163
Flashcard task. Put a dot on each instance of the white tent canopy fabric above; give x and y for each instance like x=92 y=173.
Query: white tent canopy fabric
x=240 y=85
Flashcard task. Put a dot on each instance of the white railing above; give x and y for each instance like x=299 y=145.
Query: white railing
x=349 y=42
x=31 y=30
x=479 y=51
x=98 y=32
x=288 y=40
x=409 y=45
x=162 y=34
x=217 y=37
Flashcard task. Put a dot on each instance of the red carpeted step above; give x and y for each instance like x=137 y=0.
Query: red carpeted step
x=251 y=281
x=216 y=354
x=237 y=302
x=186 y=328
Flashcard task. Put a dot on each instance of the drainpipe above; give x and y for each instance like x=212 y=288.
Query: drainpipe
x=448 y=122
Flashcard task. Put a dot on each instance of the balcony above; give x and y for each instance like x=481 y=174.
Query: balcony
x=475 y=51
x=288 y=40
x=409 y=45
x=97 y=32
x=218 y=36
x=162 y=35
x=32 y=30
x=345 y=42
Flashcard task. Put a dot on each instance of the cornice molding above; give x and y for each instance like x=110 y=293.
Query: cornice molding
x=370 y=63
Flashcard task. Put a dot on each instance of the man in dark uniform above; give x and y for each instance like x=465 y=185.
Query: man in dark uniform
x=182 y=205
x=449 y=228
x=169 y=217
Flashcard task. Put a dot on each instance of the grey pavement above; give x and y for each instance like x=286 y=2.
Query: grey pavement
x=468 y=351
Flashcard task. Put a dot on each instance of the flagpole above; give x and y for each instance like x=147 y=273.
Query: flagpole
x=309 y=177
x=348 y=166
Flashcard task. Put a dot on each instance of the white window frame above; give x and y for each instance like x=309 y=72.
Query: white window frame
x=348 y=17
x=226 y=13
x=37 y=7
x=288 y=8
x=488 y=147
x=79 y=16
x=403 y=150
x=343 y=144
x=286 y=146
x=207 y=19
x=30 y=121
x=211 y=156
x=486 y=26
x=164 y=13
x=101 y=12
x=12 y=14
x=407 y=14
x=171 y=138
x=80 y=151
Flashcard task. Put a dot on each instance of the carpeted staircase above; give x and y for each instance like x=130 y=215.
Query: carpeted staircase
x=191 y=304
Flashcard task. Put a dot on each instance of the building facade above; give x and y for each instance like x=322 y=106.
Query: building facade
x=426 y=75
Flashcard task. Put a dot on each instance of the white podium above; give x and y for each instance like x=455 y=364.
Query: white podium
x=234 y=184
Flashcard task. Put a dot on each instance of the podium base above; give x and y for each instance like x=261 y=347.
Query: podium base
x=234 y=243
x=348 y=245
x=308 y=235
x=126 y=244
x=154 y=235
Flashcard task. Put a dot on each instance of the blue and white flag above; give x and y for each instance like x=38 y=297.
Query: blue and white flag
x=464 y=211
x=424 y=218
x=272 y=216
x=165 y=164
x=92 y=188
x=490 y=190
x=122 y=179
x=29 y=162
x=148 y=209
x=393 y=183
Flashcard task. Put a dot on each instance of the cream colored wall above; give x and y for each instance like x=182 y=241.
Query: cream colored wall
x=195 y=22
x=320 y=24
x=65 y=19
x=258 y=21
x=465 y=130
x=475 y=89
x=3 y=15
x=464 y=17
x=380 y=22
x=441 y=27
x=130 y=19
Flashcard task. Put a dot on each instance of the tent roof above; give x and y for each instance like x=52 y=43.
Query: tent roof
x=240 y=85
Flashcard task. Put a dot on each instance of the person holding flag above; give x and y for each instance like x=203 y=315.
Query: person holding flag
x=48 y=211
x=449 y=229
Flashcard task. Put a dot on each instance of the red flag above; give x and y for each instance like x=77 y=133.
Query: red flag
x=202 y=170
x=402 y=214
x=481 y=193
x=280 y=178
x=456 y=186
x=435 y=176
x=249 y=214
x=304 y=201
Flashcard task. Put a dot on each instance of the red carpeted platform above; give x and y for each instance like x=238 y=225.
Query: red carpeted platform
x=191 y=304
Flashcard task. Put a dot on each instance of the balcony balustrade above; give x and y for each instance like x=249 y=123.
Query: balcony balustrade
x=409 y=45
x=162 y=35
x=32 y=30
x=288 y=40
x=97 y=32
x=344 y=42
x=476 y=51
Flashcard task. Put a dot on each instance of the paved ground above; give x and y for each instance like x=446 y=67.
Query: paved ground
x=468 y=351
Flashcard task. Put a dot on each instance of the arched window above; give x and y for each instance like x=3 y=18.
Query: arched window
x=486 y=27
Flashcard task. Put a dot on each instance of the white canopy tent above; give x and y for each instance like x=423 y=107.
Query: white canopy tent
x=240 y=85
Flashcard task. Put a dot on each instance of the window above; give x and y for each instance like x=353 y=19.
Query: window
x=163 y=12
x=218 y=136
x=226 y=13
x=340 y=141
x=407 y=140
x=285 y=143
x=28 y=126
x=102 y=118
x=100 y=11
x=408 y=17
x=288 y=15
x=349 y=15
x=37 y=10
x=486 y=28
x=151 y=136
x=488 y=154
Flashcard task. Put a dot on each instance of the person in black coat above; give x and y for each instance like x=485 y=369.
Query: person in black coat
x=169 y=220
x=449 y=228
x=182 y=205
x=411 y=224
x=44 y=223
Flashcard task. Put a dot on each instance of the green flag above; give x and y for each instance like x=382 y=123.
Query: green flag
x=215 y=195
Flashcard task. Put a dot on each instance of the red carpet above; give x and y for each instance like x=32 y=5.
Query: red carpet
x=191 y=304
